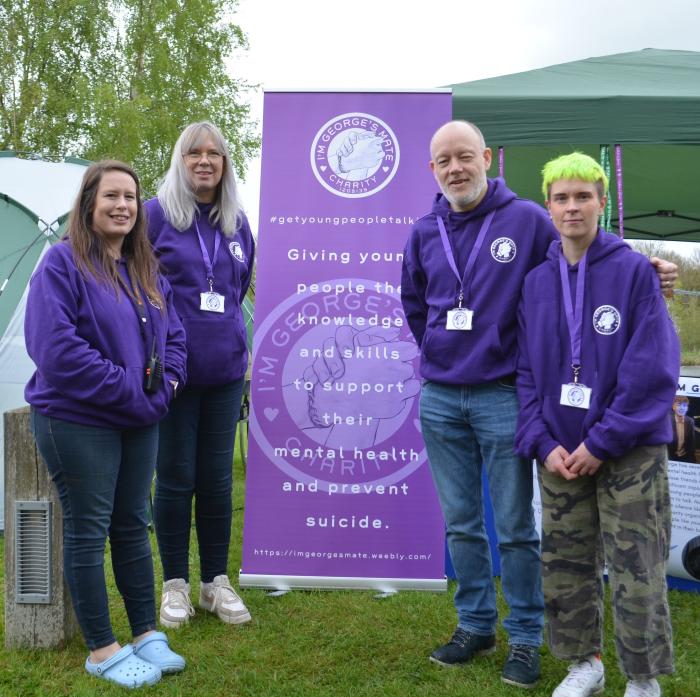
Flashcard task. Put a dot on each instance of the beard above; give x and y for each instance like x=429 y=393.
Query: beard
x=464 y=201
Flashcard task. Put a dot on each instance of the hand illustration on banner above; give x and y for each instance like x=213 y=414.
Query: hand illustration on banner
x=358 y=390
x=360 y=150
x=354 y=155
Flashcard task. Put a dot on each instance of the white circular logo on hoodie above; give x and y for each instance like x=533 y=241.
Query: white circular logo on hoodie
x=606 y=319
x=236 y=251
x=503 y=250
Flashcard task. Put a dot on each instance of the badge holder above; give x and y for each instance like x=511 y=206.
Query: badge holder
x=459 y=319
x=211 y=301
x=575 y=394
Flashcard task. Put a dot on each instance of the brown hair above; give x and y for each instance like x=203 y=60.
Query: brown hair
x=89 y=248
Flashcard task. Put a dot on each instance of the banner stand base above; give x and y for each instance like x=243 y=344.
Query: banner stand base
x=384 y=585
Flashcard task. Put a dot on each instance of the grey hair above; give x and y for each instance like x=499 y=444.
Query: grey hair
x=176 y=195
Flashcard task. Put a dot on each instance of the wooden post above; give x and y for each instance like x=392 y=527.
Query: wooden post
x=32 y=625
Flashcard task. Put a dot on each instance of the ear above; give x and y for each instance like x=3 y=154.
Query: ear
x=603 y=201
x=488 y=155
x=432 y=166
x=548 y=204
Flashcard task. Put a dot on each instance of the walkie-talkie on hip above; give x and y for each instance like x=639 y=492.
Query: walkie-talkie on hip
x=153 y=376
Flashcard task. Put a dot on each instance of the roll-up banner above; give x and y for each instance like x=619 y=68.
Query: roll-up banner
x=338 y=488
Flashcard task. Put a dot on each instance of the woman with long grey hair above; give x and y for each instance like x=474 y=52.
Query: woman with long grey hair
x=206 y=251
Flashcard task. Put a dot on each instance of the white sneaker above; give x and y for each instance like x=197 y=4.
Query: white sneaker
x=587 y=677
x=175 y=604
x=643 y=688
x=220 y=598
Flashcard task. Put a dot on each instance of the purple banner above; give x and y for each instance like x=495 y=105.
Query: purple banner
x=338 y=489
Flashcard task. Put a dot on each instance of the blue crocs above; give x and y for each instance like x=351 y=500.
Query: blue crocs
x=154 y=649
x=125 y=669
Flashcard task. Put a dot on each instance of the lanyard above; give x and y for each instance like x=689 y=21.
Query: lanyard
x=209 y=263
x=472 y=255
x=574 y=316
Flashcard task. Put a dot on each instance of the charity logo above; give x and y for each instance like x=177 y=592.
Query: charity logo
x=334 y=384
x=354 y=155
x=503 y=250
x=212 y=301
x=460 y=319
x=575 y=396
x=236 y=251
x=606 y=319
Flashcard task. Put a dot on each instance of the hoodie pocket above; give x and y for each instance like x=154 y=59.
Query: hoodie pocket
x=216 y=350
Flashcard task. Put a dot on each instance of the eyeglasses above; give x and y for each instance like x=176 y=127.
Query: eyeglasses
x=197 y=155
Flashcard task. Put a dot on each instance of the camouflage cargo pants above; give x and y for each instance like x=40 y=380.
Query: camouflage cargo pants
x=620 y=516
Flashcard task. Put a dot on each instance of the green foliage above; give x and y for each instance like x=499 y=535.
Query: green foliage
x=119 y=79
x=685 y=305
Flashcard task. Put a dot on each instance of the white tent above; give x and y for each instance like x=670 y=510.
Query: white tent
x=34 y=195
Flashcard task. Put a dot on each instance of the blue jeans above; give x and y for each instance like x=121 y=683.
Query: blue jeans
x=195 y=460
x=103 y=477
x=464 y=427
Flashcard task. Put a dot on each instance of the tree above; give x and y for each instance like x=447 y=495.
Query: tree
x=47 y=66
x=120 y=79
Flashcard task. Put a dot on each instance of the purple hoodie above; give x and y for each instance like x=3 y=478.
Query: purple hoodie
x=217 y=352
x=516 y=242
x=630 y=356
x=89 y=351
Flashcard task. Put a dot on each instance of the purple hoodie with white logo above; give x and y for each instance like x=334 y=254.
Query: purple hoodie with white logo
x=516 y=242
x=89 y=349
x=630 y=356
x=217 y=352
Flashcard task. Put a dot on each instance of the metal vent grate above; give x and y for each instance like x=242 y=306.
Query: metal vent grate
x=33 y=551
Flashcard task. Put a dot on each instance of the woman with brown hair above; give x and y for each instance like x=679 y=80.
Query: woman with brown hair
x=101 y=329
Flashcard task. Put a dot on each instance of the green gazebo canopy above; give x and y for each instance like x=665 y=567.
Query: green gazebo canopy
x=647 y=101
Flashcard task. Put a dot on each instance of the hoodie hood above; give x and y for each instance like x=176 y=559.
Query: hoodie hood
x=497 y=196
x=601 y=248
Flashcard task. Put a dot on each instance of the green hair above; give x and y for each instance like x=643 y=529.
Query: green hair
x=576 y=165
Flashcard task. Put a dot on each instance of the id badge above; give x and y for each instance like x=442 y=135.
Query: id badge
x=575 y=395
x=211 y=302
x=459 y=319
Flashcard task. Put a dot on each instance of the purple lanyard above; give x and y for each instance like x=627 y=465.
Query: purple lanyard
x=472 y=255
x=209 y=263
x=574 y=316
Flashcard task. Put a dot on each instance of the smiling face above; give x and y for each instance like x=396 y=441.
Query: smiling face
x=205 y=167
x=116 y=207
x=459 y=161
x=575 y=207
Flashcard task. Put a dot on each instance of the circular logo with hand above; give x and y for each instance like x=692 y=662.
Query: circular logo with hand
x=503 y=250
x=236 y=251
x=459 y=319
x=213 y=302
x=354 y=155
x=606 y=319
x=575 y=396
x=333 y=386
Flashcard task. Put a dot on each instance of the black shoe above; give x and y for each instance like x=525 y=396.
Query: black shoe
x=462 y=647
x=522 y=667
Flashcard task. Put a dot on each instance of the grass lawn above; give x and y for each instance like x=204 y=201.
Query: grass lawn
x=324 y=644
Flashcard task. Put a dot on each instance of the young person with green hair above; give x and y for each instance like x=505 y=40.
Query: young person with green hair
x=597 y=372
